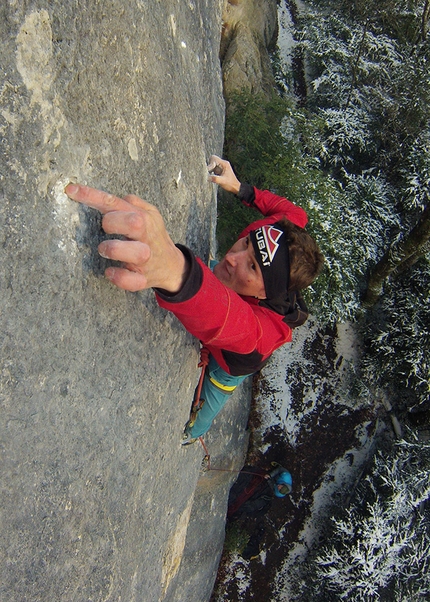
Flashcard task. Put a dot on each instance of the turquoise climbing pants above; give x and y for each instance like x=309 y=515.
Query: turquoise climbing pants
x=217 y=387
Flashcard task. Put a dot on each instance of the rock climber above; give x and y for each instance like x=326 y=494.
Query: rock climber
x=241 y=308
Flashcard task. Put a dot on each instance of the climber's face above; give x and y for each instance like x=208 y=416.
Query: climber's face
x=239 y=270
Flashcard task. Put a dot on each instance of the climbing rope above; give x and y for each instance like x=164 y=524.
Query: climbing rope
x=206 y=462
x=203 y=363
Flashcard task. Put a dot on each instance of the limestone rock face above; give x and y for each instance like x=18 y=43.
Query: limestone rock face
x=96 y=383
x=249 y=29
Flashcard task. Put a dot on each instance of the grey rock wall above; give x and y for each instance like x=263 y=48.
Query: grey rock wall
x=96 y=383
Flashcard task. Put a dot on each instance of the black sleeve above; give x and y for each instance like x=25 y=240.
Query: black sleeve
x=246 y=194
x=192 y=284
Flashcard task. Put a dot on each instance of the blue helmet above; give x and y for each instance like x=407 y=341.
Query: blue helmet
x=286 y=481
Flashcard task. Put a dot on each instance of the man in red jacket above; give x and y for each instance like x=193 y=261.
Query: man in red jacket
x=242 y=310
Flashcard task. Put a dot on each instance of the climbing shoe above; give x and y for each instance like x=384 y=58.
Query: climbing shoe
x=187 y=439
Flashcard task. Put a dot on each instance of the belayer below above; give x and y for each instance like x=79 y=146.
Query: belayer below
x=254 y=490
x=251 y=498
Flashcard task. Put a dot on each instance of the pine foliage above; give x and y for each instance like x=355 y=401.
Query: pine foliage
x=380 y=548
x=399 y=358
x=370 y=89
x=416 y=173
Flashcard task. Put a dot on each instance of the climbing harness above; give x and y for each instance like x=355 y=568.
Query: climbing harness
x=197 y=403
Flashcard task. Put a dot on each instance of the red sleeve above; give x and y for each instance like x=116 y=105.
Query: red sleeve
x=270 y=204
x=274 y=208
x=220 y=318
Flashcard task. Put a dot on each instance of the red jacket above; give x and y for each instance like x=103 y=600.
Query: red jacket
x=240 y=334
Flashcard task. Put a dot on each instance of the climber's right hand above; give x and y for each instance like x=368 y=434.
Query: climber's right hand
x=149 y=257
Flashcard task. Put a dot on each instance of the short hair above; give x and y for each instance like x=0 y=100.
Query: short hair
x=306 y=259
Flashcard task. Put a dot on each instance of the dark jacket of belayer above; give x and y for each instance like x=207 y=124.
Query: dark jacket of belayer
x=252 y=493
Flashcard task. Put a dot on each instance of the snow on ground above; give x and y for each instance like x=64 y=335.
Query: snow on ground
x=277 y=398
x=285 y=35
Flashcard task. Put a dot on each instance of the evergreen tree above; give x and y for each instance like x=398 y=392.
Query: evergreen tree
x=404 y=253
x=380 y=548
x=399 y=357
x=371 y=90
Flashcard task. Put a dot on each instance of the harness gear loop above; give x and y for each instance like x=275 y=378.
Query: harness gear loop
x=204 y=361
